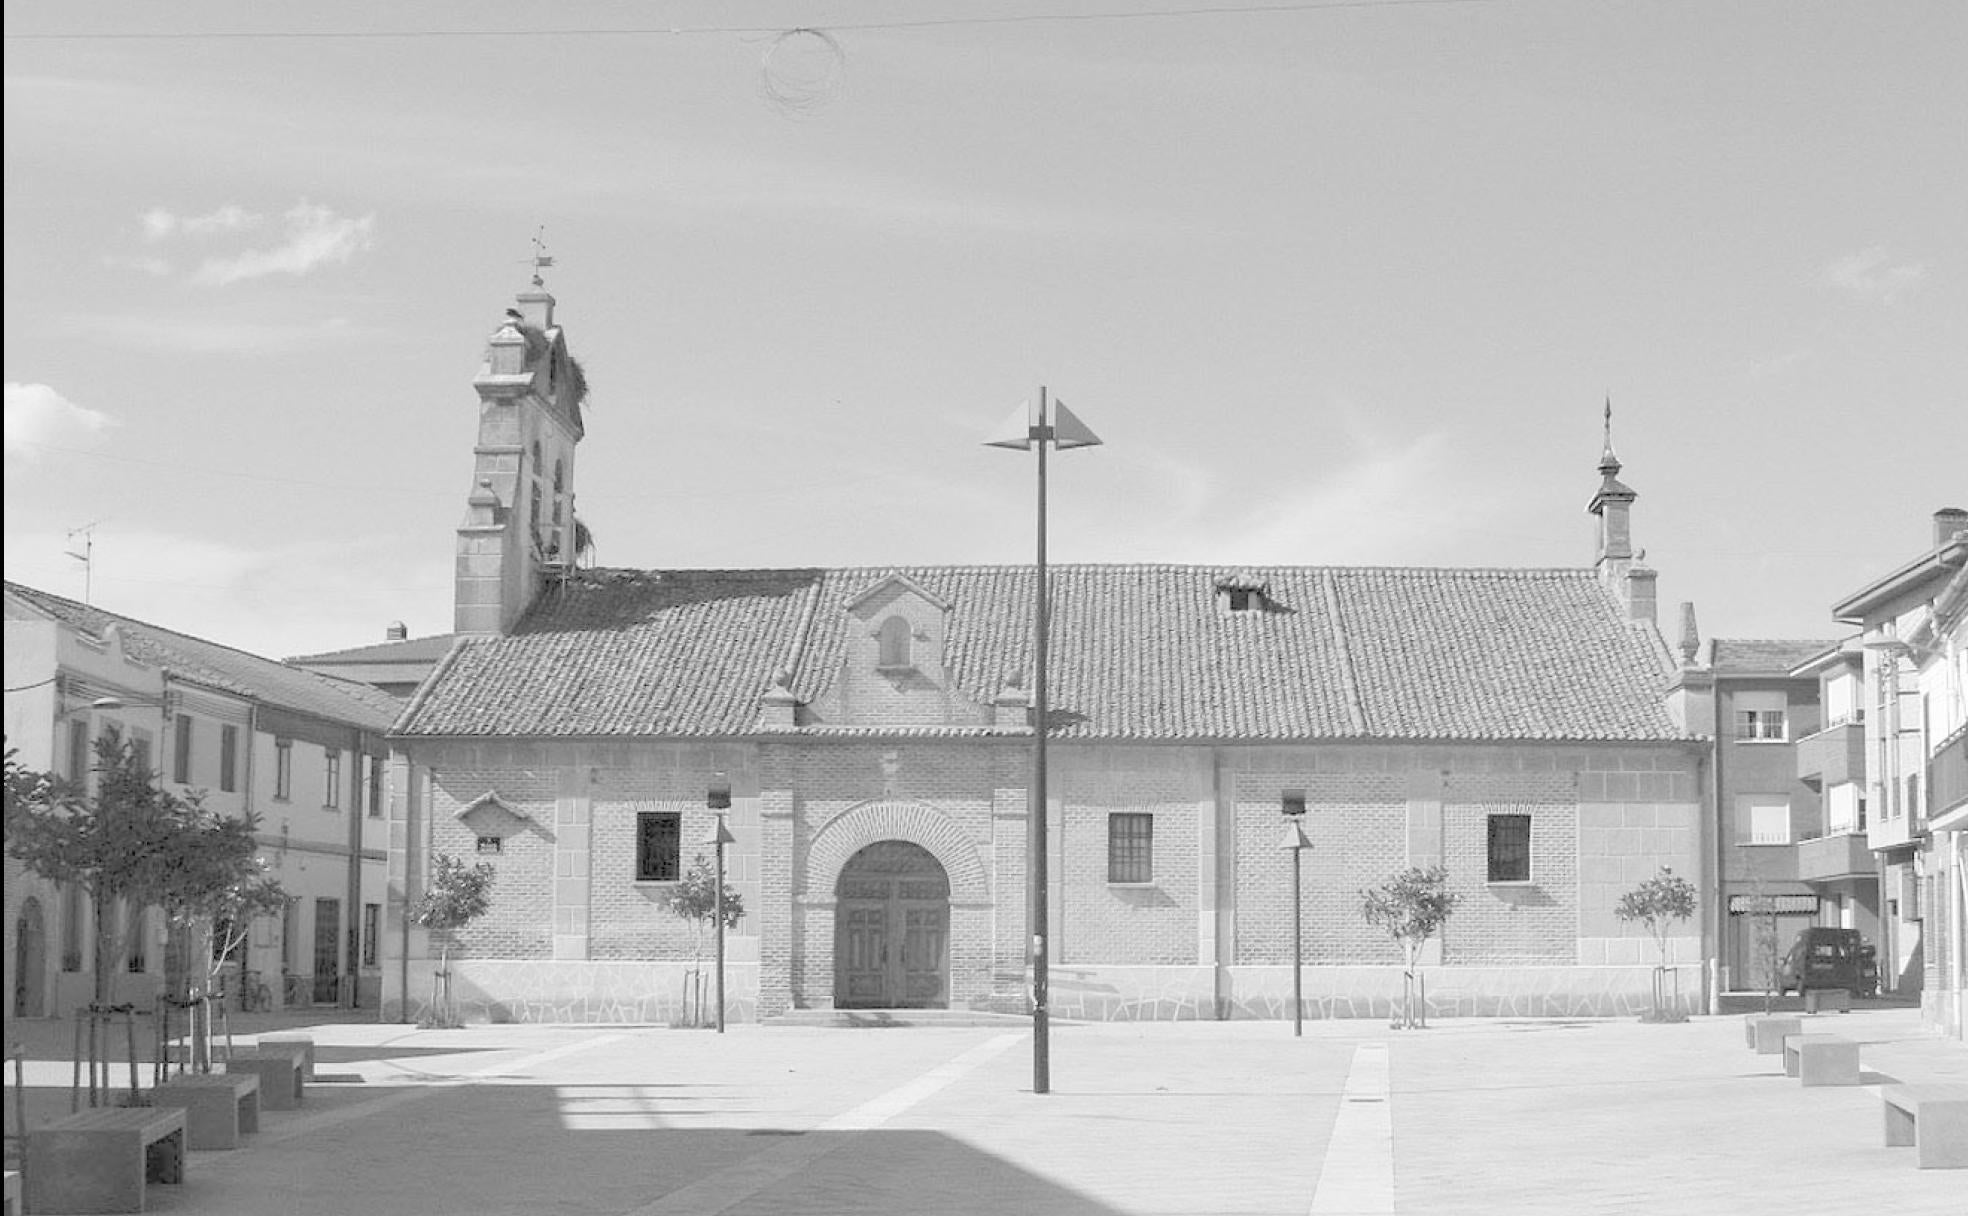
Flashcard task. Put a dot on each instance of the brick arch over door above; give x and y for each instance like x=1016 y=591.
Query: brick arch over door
x=858 y=827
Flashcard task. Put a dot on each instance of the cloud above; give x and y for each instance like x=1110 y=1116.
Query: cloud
x=316 y=237
x=158 y=223
x=37 y=414
x=150 y=265
x=1869 y=276
x=208 y=336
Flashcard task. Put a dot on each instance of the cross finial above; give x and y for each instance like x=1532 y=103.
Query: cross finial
x=540 y=259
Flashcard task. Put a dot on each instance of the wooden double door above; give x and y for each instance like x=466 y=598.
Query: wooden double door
x=892 y=930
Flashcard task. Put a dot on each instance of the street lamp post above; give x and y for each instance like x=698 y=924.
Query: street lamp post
x=718 y=799
x=1029 y=429
x=1294 y=842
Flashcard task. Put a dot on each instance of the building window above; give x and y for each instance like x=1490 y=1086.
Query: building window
x=78 y=751
x=1913 y=794
x=283 y=769
x=228 y=758
x=73 y=912
x=1760 y=717
x=894 y=637
x=1510 y=848
x=181 y=749
x=331 y=792
x=134 y=948
x=1242 y=599
x=140 y=751
x=1130 y=847
x=375 y=787
x=372 y=931
x=491 y=844
x=659 y=842
x=1762 y=819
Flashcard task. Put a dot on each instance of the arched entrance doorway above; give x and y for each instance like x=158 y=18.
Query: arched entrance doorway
x=892 y=930
x=30 y=961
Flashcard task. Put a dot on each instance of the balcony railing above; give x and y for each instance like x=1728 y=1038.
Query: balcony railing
x=1828 y=858
x=1833 y=756
x=1947 y=774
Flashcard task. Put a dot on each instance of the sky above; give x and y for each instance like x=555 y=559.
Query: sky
x=1336 y=283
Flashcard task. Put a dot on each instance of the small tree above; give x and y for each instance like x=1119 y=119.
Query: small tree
x=130 y=841
x=1660 y=903
x=454 y=896
x=1412 y=905
x=695 y=900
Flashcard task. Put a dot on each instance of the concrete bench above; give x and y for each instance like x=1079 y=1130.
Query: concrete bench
x=279 y=1074
x=1766 y=1031
x=219 y=1107
x=1932 y=1118
x=1818 y=999
x=99 y=1160
x=1821 y=1059
x=300 y=1043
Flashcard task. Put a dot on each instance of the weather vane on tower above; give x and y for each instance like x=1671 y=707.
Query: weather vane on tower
x=540 y=259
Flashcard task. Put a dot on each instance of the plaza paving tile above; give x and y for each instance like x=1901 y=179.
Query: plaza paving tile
x=1185 y=1119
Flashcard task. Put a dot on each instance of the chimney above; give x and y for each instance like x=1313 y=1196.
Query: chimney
x=536 y=307
x=1947 y=522
x=396 y=632
x=1641 y=593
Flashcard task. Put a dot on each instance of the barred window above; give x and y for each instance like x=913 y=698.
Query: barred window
x=659 y=846
x=331 y=790
x=283 y=769
x=1510 y=848
x=1130 y=847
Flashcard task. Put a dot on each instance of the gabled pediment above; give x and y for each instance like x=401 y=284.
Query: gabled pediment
x=877 y=593
x=489 y=816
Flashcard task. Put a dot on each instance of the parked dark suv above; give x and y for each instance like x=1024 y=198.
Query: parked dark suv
x=1829 y=958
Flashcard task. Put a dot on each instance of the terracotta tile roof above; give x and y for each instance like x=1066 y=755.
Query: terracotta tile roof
x=224 y=668
x=1764 y=656
x=1139 y=652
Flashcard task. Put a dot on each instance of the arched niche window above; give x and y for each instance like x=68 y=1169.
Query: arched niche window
x=894 y=643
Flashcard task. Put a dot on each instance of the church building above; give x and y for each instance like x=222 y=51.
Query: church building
x=871 y=730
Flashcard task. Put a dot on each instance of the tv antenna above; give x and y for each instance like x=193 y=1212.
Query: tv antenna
x=87 y=557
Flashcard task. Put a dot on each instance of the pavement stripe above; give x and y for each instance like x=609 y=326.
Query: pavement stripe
x=1358 y=1176
x=733 y=1185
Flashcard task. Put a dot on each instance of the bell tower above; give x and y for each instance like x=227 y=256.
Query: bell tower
x=519 y=526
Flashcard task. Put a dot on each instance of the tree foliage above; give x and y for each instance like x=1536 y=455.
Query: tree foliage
x=695 y=899
x=1659 y=903
x=1413 y=905
x=135 y=841
x=456 y=894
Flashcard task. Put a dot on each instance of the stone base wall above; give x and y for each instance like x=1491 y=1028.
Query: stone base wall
x=1107 y=994
x=641 y=993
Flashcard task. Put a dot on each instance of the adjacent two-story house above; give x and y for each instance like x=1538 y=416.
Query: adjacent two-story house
x=303 y=751
x=872 y=729
x=1912 y=668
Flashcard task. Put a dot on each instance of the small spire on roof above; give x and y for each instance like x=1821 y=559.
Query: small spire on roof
x=1609 y=464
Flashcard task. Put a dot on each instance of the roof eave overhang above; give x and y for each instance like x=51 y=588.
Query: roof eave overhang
x=1859 y=607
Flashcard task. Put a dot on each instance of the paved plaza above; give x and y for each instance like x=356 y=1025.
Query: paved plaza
x=1184 y=1119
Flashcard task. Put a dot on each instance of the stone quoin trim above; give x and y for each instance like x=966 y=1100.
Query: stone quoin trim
x=854 y=829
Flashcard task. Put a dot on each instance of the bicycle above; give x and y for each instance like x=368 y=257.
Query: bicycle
x=254 y=995
x=296 y=990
